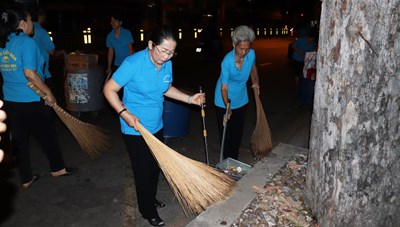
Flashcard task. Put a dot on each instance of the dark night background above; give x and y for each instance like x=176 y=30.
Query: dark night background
x=67 y=19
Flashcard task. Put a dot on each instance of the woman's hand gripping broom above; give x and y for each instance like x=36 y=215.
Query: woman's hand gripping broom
x=92 y=139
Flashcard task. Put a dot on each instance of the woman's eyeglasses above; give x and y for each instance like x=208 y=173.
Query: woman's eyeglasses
x=167 y=53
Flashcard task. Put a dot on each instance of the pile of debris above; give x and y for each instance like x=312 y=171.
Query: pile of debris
x=281 y=201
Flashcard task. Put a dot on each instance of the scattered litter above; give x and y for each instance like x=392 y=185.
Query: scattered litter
x=280 y=202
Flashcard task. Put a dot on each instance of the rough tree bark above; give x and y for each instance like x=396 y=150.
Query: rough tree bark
x=353 y=176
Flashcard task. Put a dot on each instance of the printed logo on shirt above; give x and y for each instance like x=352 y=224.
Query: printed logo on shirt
x=6 y=58
x=167 y=79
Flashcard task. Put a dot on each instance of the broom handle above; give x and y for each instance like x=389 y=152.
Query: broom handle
x=203 y=116
x=224 y=132
x=37 y=90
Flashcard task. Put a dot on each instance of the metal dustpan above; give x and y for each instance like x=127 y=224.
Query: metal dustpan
x=233 y=168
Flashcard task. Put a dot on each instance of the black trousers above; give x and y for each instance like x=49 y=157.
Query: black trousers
x=146 y=172
x=33 y=117
x=234 y=130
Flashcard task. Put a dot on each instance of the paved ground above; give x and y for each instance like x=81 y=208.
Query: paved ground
x=102 y=193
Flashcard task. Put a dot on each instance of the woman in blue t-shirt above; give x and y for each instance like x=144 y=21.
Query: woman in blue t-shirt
x=236 y=67
x=119 y=43
x=20 y=62
x=146 y=78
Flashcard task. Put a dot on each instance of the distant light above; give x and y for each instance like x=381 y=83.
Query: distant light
x=220 y=31
x=195 y=33
x=141 y=35
x=51 y=38
x=87 y=37
x=180 y=33
x=302 y=14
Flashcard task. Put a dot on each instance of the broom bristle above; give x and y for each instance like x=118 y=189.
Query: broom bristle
x=92 y=139
x=195 y=184
x=261 y=142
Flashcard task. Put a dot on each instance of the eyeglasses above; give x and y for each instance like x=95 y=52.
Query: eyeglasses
x=167 y=53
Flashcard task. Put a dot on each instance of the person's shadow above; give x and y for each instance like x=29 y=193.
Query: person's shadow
x=8 y=191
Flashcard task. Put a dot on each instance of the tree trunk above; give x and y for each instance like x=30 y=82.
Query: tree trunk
x=353 y=176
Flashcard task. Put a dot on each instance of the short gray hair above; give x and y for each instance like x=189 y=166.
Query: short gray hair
x=243 y=33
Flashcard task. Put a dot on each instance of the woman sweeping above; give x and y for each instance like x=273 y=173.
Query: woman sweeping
x=146 y=78
x=236 y=67
x=20 y=62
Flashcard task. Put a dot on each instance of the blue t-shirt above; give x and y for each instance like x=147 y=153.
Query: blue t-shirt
x=235 y=78
x=20 y=53
x=144 y=88
x=42 y=39
x=302 y=44
x=120 y=45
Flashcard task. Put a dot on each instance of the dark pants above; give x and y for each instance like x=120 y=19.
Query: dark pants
x=25 y=118
x=298 y=68
x=234 y=130
x=306 y=92
x=146 y=173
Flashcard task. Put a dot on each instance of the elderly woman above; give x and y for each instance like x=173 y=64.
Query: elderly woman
x=236 y=67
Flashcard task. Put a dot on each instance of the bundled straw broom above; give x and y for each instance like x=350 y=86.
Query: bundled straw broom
x=92 y=139
x=260 y=142
x=195 y=184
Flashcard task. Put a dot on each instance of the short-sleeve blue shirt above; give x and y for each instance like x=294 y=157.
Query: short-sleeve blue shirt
x=235 y=78
x=302 y=44
x=144 y=88
x=42 y=39
x=120 y=45
x=20 y=53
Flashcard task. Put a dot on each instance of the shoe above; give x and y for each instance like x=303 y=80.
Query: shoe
x=68 y=172
x=34 y=178
x=156 y=221
x=159 y=204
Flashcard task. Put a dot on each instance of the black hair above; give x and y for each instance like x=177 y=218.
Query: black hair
x=37 y=12
x=9 y=22
x=120 y=16
x=162 y=33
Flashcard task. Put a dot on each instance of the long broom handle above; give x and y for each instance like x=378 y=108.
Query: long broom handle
x=57 y=108
x=37 y=90
x=203 y=116
x=224 y=132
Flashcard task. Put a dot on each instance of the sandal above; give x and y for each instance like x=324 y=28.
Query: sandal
x=68 y=172
x=159 y=204
x=156 y=221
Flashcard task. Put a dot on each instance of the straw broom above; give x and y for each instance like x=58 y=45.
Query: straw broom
x=260 y=142
x=92 y=139
x=195 y=184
